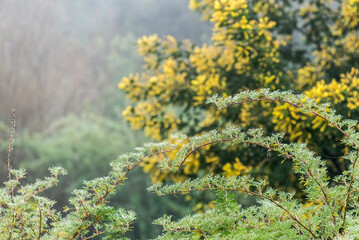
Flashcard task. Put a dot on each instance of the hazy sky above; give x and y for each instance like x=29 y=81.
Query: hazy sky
x=55 y=54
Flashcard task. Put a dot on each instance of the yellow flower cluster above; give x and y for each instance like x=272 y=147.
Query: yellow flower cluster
x=307 y=76
x=249 y=50
x=152 y=91
x=351 y=43
x=205 y=7
x=173 y=67
x=345 y=91
x=208 y=80
x=245 y=114
x=244 y=40
x=351 y=80
x=330 y=55
x=235 y=169
x=158 y=175
x=211 y=117
x=132 y=86
x=350 y=11
x=144 y=116
x=328 y=58
x=289 y=119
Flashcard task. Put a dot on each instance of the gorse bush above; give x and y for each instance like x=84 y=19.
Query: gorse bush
x=307 y=46
x=330 y=209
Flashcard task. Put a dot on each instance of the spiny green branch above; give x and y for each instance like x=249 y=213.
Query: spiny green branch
x=300 y=101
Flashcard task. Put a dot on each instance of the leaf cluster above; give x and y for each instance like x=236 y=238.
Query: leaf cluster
x=329 y=212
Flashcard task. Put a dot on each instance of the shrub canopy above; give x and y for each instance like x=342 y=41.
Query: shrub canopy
x=310 y=47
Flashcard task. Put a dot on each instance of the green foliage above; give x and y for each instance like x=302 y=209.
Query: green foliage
x=86 y=145
x=331 y=204
x=252 y=48
x=310 y=47
x=330 y=209
x=26 y=215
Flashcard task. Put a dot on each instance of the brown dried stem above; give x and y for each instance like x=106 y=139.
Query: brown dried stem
x=11 y=139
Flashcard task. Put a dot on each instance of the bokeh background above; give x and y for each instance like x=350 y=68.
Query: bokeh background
x=60 y=63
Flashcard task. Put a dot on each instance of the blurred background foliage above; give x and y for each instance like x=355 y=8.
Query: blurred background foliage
x=60 y=66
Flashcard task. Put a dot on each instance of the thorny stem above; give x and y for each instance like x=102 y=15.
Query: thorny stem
x=39 y=191
x=251 y=193
x=354 y=191
x=261 y=145
x=334 y=125
x=325 y=195
x=40 y=223
x=298 y=106
x=195 y=230
x=226 y=140
x=127 y=171
x=108 y=191
x=231 y=139
x=348 y=194
x=82 y=204
x=13 y=223
x=271 y=149
x=286 y=210
x=95 y=235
